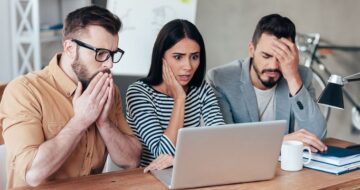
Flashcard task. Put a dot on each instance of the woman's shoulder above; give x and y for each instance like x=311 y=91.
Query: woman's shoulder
x=139 y=87
x=203 y=89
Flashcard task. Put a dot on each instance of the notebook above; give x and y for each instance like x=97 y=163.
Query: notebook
x=235 y=153
x=336 y=156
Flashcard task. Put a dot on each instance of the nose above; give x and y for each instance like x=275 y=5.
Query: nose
x=187 y=64
x=274 y=63
x=108 y=63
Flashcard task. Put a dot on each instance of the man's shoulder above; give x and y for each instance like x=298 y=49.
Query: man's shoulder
x=26 y=81
x=224 y=72
x=227 y=68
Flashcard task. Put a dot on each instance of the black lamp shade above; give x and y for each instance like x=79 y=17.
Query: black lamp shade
x=332 y=96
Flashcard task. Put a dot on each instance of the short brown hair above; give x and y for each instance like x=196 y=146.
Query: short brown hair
x=91 y=15
x=276 y=25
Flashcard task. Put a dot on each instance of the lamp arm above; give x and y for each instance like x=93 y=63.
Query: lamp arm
x=354 y=77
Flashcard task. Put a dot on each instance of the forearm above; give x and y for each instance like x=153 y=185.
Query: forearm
x=307 y=113
x=176 y=120
x=124 y=150
x=53 y=153
x=294 y=84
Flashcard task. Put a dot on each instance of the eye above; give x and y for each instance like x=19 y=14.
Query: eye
x=102 y=55
x=177 y=57
x=266 y=56
x=195 y=56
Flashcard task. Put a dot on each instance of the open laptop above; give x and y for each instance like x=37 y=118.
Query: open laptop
x=225 y=154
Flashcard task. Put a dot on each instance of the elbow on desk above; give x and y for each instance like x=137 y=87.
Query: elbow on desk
x=132 y=160
x=33 y=179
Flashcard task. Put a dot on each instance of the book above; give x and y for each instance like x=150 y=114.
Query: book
x=332 y=169
x=336 y=156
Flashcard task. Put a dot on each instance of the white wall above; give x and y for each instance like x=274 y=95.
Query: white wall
x=5 y=50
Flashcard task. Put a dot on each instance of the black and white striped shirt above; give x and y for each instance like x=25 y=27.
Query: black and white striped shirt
x=148 y=113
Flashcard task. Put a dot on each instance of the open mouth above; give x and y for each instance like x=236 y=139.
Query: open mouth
x=184 y=77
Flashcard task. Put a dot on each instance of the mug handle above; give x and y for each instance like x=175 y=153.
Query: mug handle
x=309 y=150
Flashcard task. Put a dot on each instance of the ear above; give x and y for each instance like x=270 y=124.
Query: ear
x=251 y=49
x=69 y=49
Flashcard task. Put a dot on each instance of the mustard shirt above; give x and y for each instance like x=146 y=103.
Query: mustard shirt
x=33 y=109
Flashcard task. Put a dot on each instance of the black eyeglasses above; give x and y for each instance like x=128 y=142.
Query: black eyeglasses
x=102 y=54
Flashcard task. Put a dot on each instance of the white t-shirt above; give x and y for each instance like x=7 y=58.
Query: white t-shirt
x=266 y=103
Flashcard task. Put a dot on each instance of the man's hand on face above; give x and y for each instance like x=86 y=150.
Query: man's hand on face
x=287 y=54
x=89 y=104
x=103 y=118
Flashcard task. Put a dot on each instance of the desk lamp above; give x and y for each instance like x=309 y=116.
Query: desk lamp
x=332 y=96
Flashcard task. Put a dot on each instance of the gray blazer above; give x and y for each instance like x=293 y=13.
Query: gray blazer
x=237 y=99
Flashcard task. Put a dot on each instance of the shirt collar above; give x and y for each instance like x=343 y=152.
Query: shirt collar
x=63 y=81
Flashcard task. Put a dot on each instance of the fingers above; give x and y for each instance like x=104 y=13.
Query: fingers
x=98 y=89
x=313 y=141
x=284 y=49
x=108 y=97
x=103 y=98
x=166 y=71
x=103 y=91
x=161 y=162
x=93 y=83
x=289 y=44
x=308 y=139
x=78 y=91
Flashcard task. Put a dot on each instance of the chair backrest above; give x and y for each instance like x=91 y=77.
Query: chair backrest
x=2 y=88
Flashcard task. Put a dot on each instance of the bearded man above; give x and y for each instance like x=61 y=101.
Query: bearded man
x=61 y=122
x=271 y=85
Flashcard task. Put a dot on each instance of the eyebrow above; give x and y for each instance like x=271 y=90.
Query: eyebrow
x=266 y=54
x=177 y=53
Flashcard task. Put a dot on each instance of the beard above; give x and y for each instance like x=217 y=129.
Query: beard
x=83 y=73
x=271 y=82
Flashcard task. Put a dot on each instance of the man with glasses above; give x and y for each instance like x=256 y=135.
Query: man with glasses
x=62 y=121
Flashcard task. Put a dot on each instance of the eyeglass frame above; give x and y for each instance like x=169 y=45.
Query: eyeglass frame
x=88 y=46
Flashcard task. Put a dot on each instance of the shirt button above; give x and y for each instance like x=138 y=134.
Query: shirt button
x=300 y=105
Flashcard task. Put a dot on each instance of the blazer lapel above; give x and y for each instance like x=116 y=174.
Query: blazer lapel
x=249 y=92
x=282 y=101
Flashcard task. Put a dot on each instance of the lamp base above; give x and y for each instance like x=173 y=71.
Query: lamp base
x=355 y=118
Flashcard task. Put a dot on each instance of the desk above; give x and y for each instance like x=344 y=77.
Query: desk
x=136 y=179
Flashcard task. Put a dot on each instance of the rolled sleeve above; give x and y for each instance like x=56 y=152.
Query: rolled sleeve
x=20 y=115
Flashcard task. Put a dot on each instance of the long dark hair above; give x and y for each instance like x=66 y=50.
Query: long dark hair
x=169 y=35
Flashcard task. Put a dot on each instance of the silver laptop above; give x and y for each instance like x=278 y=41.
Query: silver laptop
x=225 y=154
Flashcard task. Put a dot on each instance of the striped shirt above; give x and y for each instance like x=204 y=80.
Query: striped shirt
x=148 y=113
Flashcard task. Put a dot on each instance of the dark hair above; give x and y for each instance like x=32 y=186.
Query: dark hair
x=276 y=25
x=169 y=35
x=91 y=15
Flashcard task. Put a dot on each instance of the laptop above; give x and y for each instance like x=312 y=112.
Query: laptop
x=225 y=154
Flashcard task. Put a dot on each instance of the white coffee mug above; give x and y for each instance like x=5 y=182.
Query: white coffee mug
x=292 y=155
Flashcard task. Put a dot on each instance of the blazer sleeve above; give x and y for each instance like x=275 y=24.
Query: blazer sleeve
x=224 y=104
x=306 y=111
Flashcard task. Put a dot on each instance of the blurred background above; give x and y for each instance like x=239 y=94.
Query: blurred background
x=227 y=27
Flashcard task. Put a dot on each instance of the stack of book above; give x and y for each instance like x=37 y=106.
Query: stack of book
x=335 y=160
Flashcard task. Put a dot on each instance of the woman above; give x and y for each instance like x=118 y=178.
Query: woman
x=174 y=94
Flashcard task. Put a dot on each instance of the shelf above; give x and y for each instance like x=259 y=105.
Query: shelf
x=46 y=39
